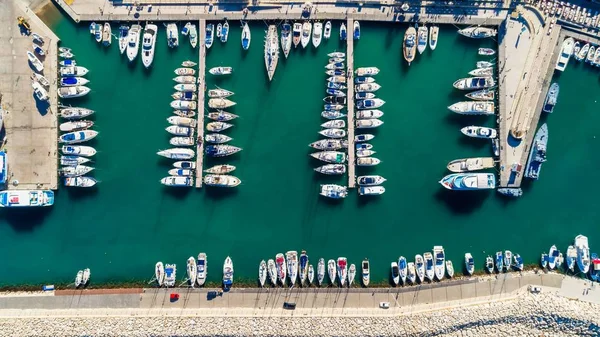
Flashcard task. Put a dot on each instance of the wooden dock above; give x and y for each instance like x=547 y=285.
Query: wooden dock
x=350 y=96
x=201 y=89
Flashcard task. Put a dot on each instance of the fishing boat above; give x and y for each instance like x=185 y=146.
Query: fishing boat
x=185 y=87
x=272 y=271
x=327 y=30
x=369 y=104
x=343 y=32
x=481 y=95
x=342 y=270
x=220 y=150
x=225 y=32
x=473 y=108
x=553 y=257
x=371 y=190
x=73 y=81
x=571 y=257
x=193 y=35
x=73 y=92
x=317 y=34
x=422 y=39
x=246 y=36
x=183 y=105
x=159 y=273
x=75 y=126
x=371 y=180
x=409 y=46
x=470 y=164
x=551 y=98
x=473 y=83
x=262 y=273
x=395 y=273
x=366 y=272
x=177 y=153
x=306 y=32
x=218 y=126
x=292 y=264
x=469 y=263
x=201 y=269
x=583 y=253
x=180 y=131
x=489 y=264
x=79 y=279
x=37 y=64
x=75 y=171
x=281 y=268
x=320 y=271
x=227 y=272
x=40 y=93
x=181 y=172
x=332 y=270
x=220 y=70
x=356 y=30
x=331 y=169
x=499 y=261
x=220 y=169
x=328 y=144
x=303 y=269
x=190 y=165
x=106 y=34
x=479 y=132
x=333 y=191
x=566 y=52
x=333 y=157
x=478 y=32
x=148 y=44
x=73 y=160
x=482 y=72
x=367 y=71
x=368 y=123
x=469 y=181
x=537 y=155
x=177 y=181
x=182 y=121
x=486 y=51
x=402 y=269
x=210 y=35
x=433 y=36
x=440 y=267
x=170 y=275
x=329 y=114
x=217 y=138
x=411 y=273
x=26 y=198
x=38 y=49
x=79 y=150
x=296 y=33
x=367 y=161
x=123 y=35
x=192 y=271
x=77 y=136
x=182 y=141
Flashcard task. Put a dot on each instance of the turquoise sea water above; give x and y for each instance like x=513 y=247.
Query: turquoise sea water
x=130 y=221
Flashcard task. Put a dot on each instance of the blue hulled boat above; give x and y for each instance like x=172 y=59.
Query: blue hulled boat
x=499 y=262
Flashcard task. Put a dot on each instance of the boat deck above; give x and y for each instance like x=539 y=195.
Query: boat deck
x=350 y=95
x=31 y=127
x=201 y=87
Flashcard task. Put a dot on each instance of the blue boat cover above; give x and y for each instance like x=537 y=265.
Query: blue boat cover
x=68 y=80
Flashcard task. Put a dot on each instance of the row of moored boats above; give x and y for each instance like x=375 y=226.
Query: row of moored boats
x=416 y=40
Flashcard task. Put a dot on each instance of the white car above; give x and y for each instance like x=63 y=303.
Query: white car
x=535 y=289
x=384 y=305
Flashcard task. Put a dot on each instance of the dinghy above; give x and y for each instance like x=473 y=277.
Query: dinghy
x=79 y=150
x=77 y=137
x=220 y=169
x=80 y=181
x=217 y=138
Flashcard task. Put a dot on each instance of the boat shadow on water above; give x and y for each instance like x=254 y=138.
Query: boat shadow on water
x=25 y=219
x=462 y=202
x=219 y=193
x=76 y=194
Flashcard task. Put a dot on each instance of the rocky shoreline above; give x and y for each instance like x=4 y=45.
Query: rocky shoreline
x=530 y=315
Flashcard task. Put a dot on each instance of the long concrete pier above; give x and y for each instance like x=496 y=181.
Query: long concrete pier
x=201 y=95
x=350 y=96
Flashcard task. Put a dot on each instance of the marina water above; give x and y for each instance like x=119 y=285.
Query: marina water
x=130 y=221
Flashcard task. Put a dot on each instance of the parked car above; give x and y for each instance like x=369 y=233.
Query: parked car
x=384 y=305
x=289 y=305
x=535 y=289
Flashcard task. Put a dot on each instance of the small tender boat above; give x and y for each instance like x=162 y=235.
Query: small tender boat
x=75 y=126
x=482 y=95
x=334 y=124
x=73 y=71
x=225 y=32
x=177 y=181
x=333 y=191
x=184 y=96
x=201 y=269
x=180 y=130
x=177 y=153
x=317 y=34
x=433 y=37
x=369 y=114
x=343 y=32
x=486 y=51
x=159 y=273
x=185 y=165
x=182 y=121
x=73 y=81
x=281 y=268
x=221 y=70
x=217 y=138
x=367 y=161
x=40 y=93
x=370 y=180
x=246 y=36
x=331 y=169
x=333 y=133
x=185 y=87
x=79 y=279
x=185 y=79
x=220 y=150
x=185 y=71
x=262 y=273
x=371 y=190
x=395 y=273
x=221 y=116
x=219 y=93
x=368 y=123
x=192 y=271
x=306 y=32
x=479 y=132
x=220 y=103
x=364 y=79
x=182 y=141
x=329 y=114
x=170 y=275
x=327 y=30
x=80 y=182
x=77 y=136
x=449 y=269
x=184 y=105
x=356 y=30
x=333 y=157
x=210 y=35
x=218 y=126
x=85 y=151
x=37 y=64
x=123 y=34
x=181 y=172
x=75 y=171
x=367 y=87
x=272 y=271
x=106 y=35
x=220 y=169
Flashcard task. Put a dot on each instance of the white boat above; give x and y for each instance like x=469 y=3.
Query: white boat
x=77 y=136
x=450 y=269
x=482 y=72
x=26 y=198
x=317 y=34
x=66 y=55
x=337 y=79
x=271 y=51
x=37 y=64
x=429 y=269
x=356 y=30
x=182 y=141
x=220 y=103
x=333 y=124
x=367 y=71
x=72 y=81
x=366 y=271
x=185 y=79
x=217 y=138
x=327 y=30
x=311 y=274
x=343 y=32
x=474 y=83
x=337 y=54
x=225 y=32
x=351 y=274
x=478 y=32
x=75 y=171
x=361 y=153
x=469 y=263
x=422 y=33
x=148 y=44
x=75 y=113
x=218 y=126
x=73 y=71
x=159 y=273
x=486 y=51
x=123 y=35
x=367 y=87
x=185 y=31
x=221 y=180
x=482 y=95
x=565 y=54
x=220 y=150
x=272 y=271
x=470 y=164
x=402 y=269
x=73 y=160
x=170 y=275
x=369 y=104
x=583 y=253
x=582 y=52
x=106 y=34
x=331 y=169
x=191 y=165
x=320 y=272
x=420 y=267
x=177 y=153
x=368 y=123
x=220 y=169
x=371 y=180
x=262 y=273
x=473 y=108
x=192 y=271
x=75 y=126
x=184 y=105
x=433 y=36
x=292 y=264
x=221 y=116
x=227 y=272
x=409 y=46
x=395 y=273
x=185 y=87
x=281 y=268
x=411 y=273
x=96 y=30
x=80 y=182
x=367 y=161
x=79 y=279
x=79 y=150
x=306 y=32
x=182 y=121
x=335 y=66
x=219 y=30
x=177 y=181
x=38 y=49
x=342 y=270
x=333 y=191
x=73 y=92
x=185 y=71
x=221 y=70
x=469 y=181
x=219 y=93
x=246 y=36
x=369 y=114
x=180 y=131
x=210 y=35
x=40 y=93
x=332 y=114
x=331 y=271
x=553 y=257
x=184 y=96
x=193 y=36
x=333 y=157
x=371 y=190
x=201 y=269
x=479 y=132
x=571 y=257
x=333 y=133
x=296 y=33
x=41 y=79
x=37 y=38
x=286 y=38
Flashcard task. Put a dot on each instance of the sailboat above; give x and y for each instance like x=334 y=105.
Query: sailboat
x=420 y=267
x=271 y=51
x=331 y=270
x=286 y=38
x=351 y=274
x=320 y=271
x=159 y=273
x=303 y=272
x=86 y=276
x=262 y=273
x=191 y=271
x=342 y=270
x=245 y=36
x=272 y=271
x=281 y=268
x=292 y=264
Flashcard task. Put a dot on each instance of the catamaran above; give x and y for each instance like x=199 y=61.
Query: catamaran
x=148 y=44
x=271 y=51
